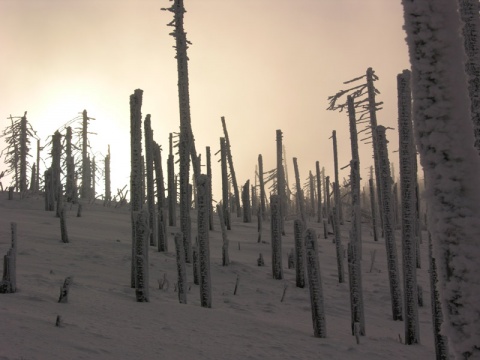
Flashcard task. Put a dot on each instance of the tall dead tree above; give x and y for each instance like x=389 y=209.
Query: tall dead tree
x=300 y=200
x=150 y=182
x=136 y=173
x=70 y=165
x=392 y=263
x=186 y=142
x=172 y=187
x=262 y=187
x=281 y=190
x=232 y=170
x=319 y=192
x=160 y=187
x=108 y=190
x=203 y=196
x=336 y=189
x=408 y=186
x=247 y=211
x=209 y=174
x=223 y=163
x=276 y=234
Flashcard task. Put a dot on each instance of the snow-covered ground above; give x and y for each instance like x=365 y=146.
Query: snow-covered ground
x=102 y=320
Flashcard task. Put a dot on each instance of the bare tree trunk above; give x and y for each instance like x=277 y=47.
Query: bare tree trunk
x=315 y=284
x=108 y=191
x=232 y=170
x=203 y=189
x=23 y=153
x=319 y=192
x=276 y=231
x=303 y=215
x=281 y=191
x=247 y=211
x=209 y=174
x=181 y=271
x=298 y=230
x=409 y=240
x=172 y=194
x=262 y=187
x=336 y=189
x=136 y=167
x=392 y=263
x=141 y=255
x=150 y=183
x=161 y=223
x=223 y=162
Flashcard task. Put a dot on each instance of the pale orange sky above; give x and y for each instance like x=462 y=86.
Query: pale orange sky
x=264 y=65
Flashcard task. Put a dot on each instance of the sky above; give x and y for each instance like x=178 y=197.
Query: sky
x=264 y=65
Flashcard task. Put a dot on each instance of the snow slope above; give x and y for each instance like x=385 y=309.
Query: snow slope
x=103 y=321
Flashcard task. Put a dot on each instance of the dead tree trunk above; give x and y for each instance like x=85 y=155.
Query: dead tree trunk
x=298 y=229
x=9 y=280
x=336 y=189
x=141 y=255
x=209 y=174
x=232 y=170
x=315 y=284
x=392 y=263
x=409 y=241
x=223 y=162
x=172 y=193
x=136 y=167
x=161 y=223
x=181 y=271
x=319 y=192
x=150 y=183
x=262 y=188
x=300 y=200
x=281 y=191
x=276 y=233
x=247 y=211
x=108 y=190
x=203 y=189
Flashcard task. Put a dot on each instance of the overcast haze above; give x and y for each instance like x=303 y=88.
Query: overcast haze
x=264 y=65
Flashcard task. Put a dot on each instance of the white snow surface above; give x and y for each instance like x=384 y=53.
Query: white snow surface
x=102 y=320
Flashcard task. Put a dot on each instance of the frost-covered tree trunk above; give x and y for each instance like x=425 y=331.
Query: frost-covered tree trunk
x=56 y=160
x=232 y=170
x=276 y=234
x=408 y=186
x=181 y=268
x=225 y=257
x=281 y=191
x=444 y=136
x=441 y=341
x=298 y=229
x=327 y=197
x=136 y=166
x=150 y=183
x=70 y=163
x=8 y=284
x=161 y=223
x=312 y=193
x=355 y=180
x=471 y=35
x=203 y=196
x=373 y=207
x=262 y=187
x=223 y=164
x=172 y=194
x=319 y=192
x=336 y=189
x=23 y=153
x=300 y=200
x=209 y=174
x=338 y=244
x=142 y=235
x=370 y=75
x=356 y=290
x=247 y=211
x=315 y=284
x=391 y=248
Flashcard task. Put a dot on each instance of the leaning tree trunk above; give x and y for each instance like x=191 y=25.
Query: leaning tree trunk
x=232 y=170
x=136 y=166
x=150 y=183
x=276 y=232
x=203 y=196
x=408 y=186
x=444 y=136
x=391 y=248
x=223 y=163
